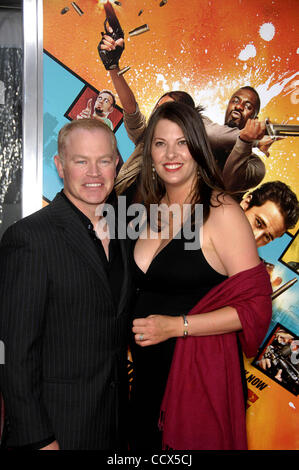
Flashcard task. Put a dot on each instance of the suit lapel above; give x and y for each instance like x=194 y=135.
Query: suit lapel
x=124 y=293
x=76 y=235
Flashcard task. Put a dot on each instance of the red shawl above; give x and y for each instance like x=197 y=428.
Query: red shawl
x=203 y=405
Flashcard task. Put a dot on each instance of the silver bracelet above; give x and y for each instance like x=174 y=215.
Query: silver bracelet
x=185 y=332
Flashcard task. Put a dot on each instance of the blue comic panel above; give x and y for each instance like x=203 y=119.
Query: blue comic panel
x=67 y=97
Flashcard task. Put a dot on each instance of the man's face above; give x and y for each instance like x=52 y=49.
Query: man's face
x=104 y=104
x=241 y=107
x=284 y=338
x=88 y=168
x=266 y=221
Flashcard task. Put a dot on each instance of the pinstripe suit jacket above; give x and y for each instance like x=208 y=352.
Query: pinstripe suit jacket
x=65 y=341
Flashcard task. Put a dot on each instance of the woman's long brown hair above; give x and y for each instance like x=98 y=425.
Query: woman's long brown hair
x=209 y=175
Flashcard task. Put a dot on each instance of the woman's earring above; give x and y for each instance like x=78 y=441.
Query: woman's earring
x=153 y=172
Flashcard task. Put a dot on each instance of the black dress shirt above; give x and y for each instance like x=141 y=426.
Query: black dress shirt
x=114 y=265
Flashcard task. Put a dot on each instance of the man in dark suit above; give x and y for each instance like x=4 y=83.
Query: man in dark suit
x=64 y=308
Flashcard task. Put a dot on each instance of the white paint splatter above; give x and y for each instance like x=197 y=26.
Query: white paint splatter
x=162 y=79
x=267 y=31
x=248 y=52
x=213 y=95
x=291 y=404
x=268 y=93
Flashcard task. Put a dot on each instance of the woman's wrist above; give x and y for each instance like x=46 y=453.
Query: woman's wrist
x=175 y=327
x=178 y=327
x=185 y=326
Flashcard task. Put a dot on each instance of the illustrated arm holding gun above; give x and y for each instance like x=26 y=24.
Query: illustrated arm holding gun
x=110 y=50
x=243 y=164
x=242 y=169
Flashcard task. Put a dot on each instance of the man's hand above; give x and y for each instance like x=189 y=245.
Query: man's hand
x=266 y=142
x=53 y=446
x=253 y=130
x=86 y=113
x=110 y=50
x=108 y=44
x=264 y=363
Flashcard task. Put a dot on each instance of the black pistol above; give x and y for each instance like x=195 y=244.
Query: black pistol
x=110 y=59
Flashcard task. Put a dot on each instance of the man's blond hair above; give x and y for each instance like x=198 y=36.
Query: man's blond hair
x=88 y=124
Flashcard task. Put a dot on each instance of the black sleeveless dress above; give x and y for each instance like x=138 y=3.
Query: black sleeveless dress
x=174 y=282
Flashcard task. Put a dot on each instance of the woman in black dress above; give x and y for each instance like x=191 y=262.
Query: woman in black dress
x=171 y=278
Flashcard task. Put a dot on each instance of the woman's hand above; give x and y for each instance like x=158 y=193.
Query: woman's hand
x=156 y=328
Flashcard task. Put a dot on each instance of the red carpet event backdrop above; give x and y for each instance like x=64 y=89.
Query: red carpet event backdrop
x=208 y=48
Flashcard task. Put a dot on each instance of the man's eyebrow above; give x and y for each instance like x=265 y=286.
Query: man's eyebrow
x=108 y=155
x=261 y=220
x=264 y=224
x=247 y=101
x=77 y=155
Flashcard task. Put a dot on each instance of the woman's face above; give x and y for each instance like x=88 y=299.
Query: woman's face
x=171 y=157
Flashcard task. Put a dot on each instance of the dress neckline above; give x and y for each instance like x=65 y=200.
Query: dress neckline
x=154 y=257
x=157 y=252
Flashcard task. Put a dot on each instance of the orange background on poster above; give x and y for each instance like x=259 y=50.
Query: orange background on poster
x=195 y=46
x=208 y=48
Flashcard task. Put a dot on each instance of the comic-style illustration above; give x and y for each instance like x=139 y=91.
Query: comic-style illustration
x=112 y=60
x=279 y=359
x=98 y=105
x=290 y=257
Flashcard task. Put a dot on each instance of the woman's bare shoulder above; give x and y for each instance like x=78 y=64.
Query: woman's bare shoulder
x=223 y=206
x=231 y=234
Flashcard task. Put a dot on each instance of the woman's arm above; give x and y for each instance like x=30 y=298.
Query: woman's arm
x=158 y=328
x=229 y=246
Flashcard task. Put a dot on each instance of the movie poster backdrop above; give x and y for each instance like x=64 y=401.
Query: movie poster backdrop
x=209 y=49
